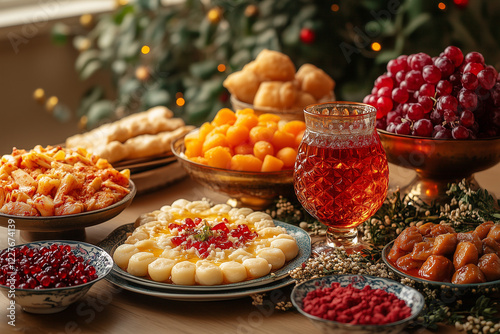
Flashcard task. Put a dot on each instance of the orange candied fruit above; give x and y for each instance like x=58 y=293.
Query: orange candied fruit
x=205 y=129
x=294 y=127
x=221 y=129
x=219 y=157
x=246 y=111
x=283 y=139
x=262 y=148
x=259 y=133
x=213 y=140
x=271 y=164
x=236 y=135
x=287 y=155
x=225 y=116
x=245 y=141
x=193 y=148
x=246 y=162
x=245 y=148
x=248 y=120
x=269 y=118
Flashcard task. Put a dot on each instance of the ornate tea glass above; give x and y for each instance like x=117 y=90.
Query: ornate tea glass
x=341 y=173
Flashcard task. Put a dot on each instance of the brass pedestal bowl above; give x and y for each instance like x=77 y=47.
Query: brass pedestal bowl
x=255 y=190
x=439 y=162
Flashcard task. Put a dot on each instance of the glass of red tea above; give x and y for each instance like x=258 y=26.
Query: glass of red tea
x=341 y=174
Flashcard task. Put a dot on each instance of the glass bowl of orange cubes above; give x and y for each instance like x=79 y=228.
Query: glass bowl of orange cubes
x=246 y=156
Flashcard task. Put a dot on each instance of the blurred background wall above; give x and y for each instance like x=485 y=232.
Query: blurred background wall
x=37 y=63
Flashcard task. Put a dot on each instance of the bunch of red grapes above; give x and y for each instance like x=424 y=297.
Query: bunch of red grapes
x=447 y=97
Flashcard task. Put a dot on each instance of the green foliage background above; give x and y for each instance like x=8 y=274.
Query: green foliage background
x=186 y=46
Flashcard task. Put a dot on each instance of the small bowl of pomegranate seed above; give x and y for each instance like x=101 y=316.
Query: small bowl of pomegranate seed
x=357 y=304
x=48 y=276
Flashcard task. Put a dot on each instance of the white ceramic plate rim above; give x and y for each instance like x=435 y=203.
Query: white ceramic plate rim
x=186 y=295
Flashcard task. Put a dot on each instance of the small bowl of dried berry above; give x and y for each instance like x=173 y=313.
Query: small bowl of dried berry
x=48 y=276
x=357 y=304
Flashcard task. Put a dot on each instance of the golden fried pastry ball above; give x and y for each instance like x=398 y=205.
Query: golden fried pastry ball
x=276 y=94
x=274 y=66
x=314 y=81
x=243 y=84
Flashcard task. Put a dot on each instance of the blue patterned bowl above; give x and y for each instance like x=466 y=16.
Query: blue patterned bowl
x=412 y=297
x=57 y=299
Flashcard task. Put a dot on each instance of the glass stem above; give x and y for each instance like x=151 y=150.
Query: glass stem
x=342 y=237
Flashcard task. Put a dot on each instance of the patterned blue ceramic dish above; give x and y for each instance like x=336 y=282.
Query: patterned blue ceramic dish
x=412 y=297
x=57 y=299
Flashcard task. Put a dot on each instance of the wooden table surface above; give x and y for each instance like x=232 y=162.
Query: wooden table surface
x=110 y=309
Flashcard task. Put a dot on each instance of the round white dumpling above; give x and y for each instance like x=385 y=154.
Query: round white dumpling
x=183 y=273
x=122 y=255
x=258 y=216
x=274 y=256
x=287 y=246
x=138 y=263
x=263 y=224
x=233 y=272
x=268 y=232
x=138 y=235
x=159 y=270
x=257 y=267
x=208 y=274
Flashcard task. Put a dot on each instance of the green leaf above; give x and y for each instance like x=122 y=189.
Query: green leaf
x=240 y=58
x=291 y=35
x=90 y=69
x=269 y=40
x=306 y=13
x=280 y=21
x=203 y=69
x=92 y=95
x=128 y=49
x=84 y=58
x=62 y=113
x=119 y=67
x=154 y=98
x=60 y=33
x=416 y=23
x=384 y=56
x=128 y=25
x=122 y=12
x=148 y=4
x=106 y=39
x=196 y=113
x=98 y=112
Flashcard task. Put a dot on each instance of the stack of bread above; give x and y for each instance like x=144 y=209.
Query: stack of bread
x=271 y=81
x=145 y=134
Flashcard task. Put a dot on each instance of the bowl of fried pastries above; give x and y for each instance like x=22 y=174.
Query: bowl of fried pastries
x=54 y=192
x=271 y=84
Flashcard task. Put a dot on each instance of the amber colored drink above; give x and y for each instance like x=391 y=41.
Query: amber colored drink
x=342 y=185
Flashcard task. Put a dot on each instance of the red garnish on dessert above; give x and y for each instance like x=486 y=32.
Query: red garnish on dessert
x=204 y=238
